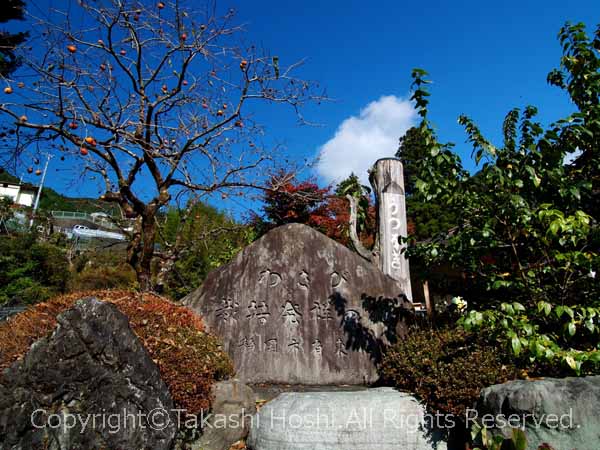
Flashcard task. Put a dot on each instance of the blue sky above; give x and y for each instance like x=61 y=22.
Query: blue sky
x=484 y=58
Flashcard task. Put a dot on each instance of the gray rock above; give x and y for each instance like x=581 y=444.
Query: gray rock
x=296 y=307
x=92 y=368
x=564 y=413
x=233 y=405
x=374 y=419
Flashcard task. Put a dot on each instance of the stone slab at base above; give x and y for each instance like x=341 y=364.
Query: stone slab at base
x=373 y=419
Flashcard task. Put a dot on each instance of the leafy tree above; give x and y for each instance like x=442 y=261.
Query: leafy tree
x=365 y=214
x=200 y=238
x=527 y=238
x=6 y=213
x=11 y=10
x=411 y=150
x=6 y=176
x=31 y=272
x=153 y=100
x=290 y=201
x=426 y=219
x=579 y=133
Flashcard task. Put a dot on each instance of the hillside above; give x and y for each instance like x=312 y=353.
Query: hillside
x=54 y=201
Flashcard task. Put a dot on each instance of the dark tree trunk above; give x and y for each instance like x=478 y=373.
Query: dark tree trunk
x=141 y=251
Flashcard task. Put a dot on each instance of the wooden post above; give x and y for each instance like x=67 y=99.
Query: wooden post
x=428 y=304
x=387 y=179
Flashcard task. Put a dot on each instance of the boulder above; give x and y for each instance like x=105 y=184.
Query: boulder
x=564 y=413
x=296 y=307
x=233 y=405
x=373 y=419
x=89 y=385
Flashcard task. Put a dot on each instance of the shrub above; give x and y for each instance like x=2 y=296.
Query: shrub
x=121 y=276
x=189 y=359
x=445 y=368
x=31 y=271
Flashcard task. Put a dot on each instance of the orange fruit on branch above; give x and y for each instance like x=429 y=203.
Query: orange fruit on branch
x=8 y=90
x=90 y=140
x=71 y=48
x=83 y=151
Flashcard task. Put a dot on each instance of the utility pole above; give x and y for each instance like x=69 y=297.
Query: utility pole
x=39 y=192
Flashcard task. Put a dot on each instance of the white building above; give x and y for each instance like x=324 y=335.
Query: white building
x=19 y=193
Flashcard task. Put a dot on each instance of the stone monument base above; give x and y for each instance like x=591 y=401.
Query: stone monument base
x=374 y=419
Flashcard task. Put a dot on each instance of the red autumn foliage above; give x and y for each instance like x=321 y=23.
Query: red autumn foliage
x=295 y=202
x=305 y=202
x=190 y=360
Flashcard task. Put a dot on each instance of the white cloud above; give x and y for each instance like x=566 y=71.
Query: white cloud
x=360 y=141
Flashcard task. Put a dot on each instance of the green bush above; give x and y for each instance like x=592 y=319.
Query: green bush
x=445 y=368
x=31 y=271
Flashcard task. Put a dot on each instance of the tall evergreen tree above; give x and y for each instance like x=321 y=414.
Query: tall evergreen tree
x=426 y=219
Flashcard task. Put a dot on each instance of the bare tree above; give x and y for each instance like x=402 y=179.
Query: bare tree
x=153 y=98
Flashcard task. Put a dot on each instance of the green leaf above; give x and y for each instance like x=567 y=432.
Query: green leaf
x=475 y=431
x=571 y=328
x=569 y=312
x=571 y=362
x=545 y=307
x=519 y=439
x=516 y=345
x=534 y=177
x=595 y=357
x=485 y=438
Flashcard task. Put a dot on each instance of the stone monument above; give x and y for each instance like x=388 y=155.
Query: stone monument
x=296 y=307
